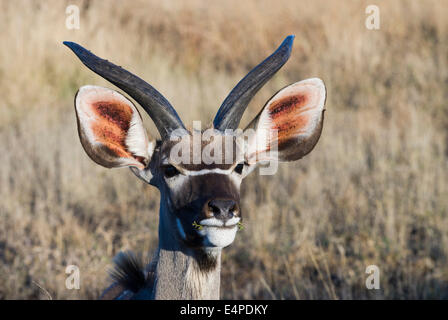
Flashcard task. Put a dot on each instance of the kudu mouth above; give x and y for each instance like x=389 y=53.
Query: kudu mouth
x=211 y=219
x=195 y=218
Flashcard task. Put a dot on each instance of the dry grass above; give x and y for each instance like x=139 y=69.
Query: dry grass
x=374 y=190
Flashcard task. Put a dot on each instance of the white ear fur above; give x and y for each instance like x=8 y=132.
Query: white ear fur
x=291 y=122
x=111 y=129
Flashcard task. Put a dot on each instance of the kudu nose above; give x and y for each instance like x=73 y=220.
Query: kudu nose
x=223 y=209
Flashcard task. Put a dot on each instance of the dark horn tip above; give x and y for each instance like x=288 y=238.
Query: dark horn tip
x=76 y=48
x=233 y=107
x=288 y=42
x=69 y=44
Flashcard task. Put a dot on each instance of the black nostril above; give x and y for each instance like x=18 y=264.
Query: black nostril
x=213 y=208
x=223 y=209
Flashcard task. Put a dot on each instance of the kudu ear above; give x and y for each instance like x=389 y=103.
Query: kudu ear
x=289 y=125
x=110 y=128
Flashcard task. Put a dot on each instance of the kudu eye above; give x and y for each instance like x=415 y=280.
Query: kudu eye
x=170 y=171
x=239 y=168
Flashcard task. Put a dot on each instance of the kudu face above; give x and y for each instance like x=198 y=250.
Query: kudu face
x=200 y=205
x=201 y=199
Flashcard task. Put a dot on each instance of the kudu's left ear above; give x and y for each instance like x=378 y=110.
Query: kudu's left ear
x=110 y=128
x=289 y=125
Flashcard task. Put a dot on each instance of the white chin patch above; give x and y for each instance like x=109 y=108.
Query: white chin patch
x=218 y=237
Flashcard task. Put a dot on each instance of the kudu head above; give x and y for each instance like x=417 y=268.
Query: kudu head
x=200 y=205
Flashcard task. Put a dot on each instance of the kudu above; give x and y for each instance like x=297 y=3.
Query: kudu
x=200 y=206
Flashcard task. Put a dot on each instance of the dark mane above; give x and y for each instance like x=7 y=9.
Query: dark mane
x=206 y=262
x=128 y=271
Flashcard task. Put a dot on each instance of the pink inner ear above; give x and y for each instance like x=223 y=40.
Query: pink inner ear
x=112 y=124
x=288 y=115
x=292 y=120
x=110 y=128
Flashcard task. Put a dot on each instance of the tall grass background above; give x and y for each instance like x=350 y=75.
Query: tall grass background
x=373 y=191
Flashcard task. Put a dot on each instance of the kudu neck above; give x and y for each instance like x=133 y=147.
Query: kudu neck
x=178 y=273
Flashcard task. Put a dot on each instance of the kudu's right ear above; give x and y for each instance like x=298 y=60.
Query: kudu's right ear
x=111 y=129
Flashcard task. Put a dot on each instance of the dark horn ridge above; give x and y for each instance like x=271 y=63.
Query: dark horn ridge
x=231 y=111
x=157 y=106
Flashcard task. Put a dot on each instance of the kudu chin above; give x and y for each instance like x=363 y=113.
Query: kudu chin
x=200 y=210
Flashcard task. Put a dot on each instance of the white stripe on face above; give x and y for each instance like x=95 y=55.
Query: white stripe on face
x=177 y=181
x=206 y=171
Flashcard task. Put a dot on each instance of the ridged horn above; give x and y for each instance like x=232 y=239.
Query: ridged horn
x=232 y=109
x=157 y=106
